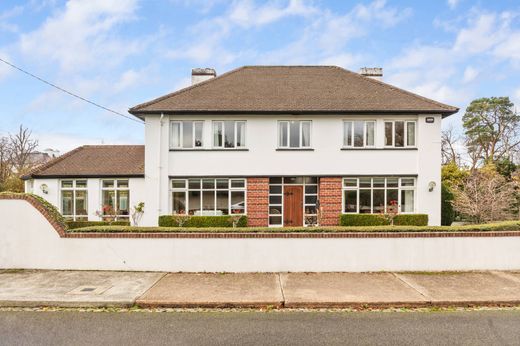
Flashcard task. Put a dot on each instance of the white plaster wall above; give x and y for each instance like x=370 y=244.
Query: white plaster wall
x=28 y=241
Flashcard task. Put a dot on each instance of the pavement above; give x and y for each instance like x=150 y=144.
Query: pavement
x=32 y=288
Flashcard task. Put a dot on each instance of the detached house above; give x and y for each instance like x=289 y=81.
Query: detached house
x=286 y=145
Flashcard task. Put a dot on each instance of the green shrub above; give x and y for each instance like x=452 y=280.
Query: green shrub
x=379 y=220
x=81 y=224
x=362 y=220
x=447 y=212
x=411 y=220
x=224 y=221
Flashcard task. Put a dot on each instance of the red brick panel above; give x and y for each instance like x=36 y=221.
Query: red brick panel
x=330 y=194
x=258 y=202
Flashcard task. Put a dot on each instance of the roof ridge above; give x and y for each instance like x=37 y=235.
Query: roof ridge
x=403 y=91
x=180 y=91
x=52 y=162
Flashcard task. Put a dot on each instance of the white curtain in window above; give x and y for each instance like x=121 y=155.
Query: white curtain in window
x=282 y=134
x=175 y=135
x=306 y=134
x=241 y=134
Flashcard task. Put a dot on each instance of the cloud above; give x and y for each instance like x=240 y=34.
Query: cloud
x=8 y=14
x=470 y=73
x=65 y=142
x=5 y=70
x=452 y=4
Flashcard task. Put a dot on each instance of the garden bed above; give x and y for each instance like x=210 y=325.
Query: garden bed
x=491 y=227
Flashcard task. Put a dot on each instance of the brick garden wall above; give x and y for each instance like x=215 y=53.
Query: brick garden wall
x=330 y=200
x=258 y=202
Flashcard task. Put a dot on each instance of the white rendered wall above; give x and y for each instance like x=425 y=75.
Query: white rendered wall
x=262 y=158
x=27 y=240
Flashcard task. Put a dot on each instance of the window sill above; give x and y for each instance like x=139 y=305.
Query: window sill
x=213 y=149
x=388 y=148
x=294 y=149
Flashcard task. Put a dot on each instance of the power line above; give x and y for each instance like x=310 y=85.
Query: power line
x=69 y=92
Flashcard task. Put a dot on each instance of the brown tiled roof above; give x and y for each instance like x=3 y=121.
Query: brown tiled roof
x=303 y=89
x=95 y=161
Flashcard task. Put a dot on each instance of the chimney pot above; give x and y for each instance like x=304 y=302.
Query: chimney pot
x=372 y=72
x=202 y=74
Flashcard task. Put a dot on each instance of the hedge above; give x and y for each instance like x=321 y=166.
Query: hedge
x=224 y=221
x=81 y=224
x=495 y=227
x=379 y=220
x=447 y=212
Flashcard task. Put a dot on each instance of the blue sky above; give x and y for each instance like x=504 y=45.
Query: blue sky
x=121 y=53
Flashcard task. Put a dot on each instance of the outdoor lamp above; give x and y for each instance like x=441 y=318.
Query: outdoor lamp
x=44 y=188
x=431 y=186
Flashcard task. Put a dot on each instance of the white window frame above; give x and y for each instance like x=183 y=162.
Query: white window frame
x=365 y=145
x=399 y=188
x=116 y=189
x=181 y=134
x=186 y=190
x=405 y=135
x=300 y=144
x=235 y=125
x=74 y=188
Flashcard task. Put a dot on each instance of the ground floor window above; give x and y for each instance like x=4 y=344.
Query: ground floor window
x=73 y=195
x=115 y=194
x=208 y=196
x=374 y=195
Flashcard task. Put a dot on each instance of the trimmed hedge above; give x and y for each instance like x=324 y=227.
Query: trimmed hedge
x=379 y=220
x=491 y=227
x=224 y=221
x=81 y=224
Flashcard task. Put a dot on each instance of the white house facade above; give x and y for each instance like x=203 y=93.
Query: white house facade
x=285 y=145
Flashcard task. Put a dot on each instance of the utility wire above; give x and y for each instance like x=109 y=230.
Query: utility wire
x=68 y=92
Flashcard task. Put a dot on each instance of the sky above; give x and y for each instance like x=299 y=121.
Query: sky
x=125 y=52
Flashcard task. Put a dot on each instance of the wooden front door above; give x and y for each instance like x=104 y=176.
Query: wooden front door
x=293 y=206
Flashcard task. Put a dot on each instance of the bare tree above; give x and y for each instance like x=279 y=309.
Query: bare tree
x=486 y=196
x=449 y=142
x=5 y=161
x=21 y=147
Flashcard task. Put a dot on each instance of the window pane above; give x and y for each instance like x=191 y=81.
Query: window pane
x=407 y=182
x=310 y=199
x=365 y=201
x=175 y=135
x=178 y=183
x=379 y=201
x=347 y=133
x=108 y=183
x=365 y=182
x=222 y=202
x=81 y=184
x=275 y=210
x=399 y=133
x=229 y=134
x=358 y=133
x=222 y=183
x=310 y=209
x=283 y=128
x=109 y=202
x=275 y=189
x=293 y=180
x=295 y=134
x=187 y=134
x=194 y=183
x=410 y=134
x=179 y=202
x=275 y=199
x=275 y=180
x=66 y=183
x=217 y=134
x=350 y=182
x=311 y=189
x=275 y=220
x=311 y=180
x=407 y=200
x=208 y=183
x=388 y=133
x=198 y=133
x=208 y=203
x=122 y=183
x=391 y=200
x=194 y=202
x=237 y=183
x=350 y=201
x=370 y=133
x=241 y=134
x=237 y=202
x=306 y=134
x=379 y=182
x=123 y=201
x=392 y=182
x=66 y=202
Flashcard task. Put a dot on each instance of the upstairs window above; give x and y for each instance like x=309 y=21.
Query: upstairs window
x=74 y=204
x=358 y=134
x=229 y=134
x=400 y=133
x=294 y=134
x=186 y=134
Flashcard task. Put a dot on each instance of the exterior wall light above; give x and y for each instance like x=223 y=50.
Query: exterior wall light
x=44 y=188
x=431 y=186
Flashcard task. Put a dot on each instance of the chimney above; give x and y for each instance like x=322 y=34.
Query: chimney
x=201 y=74
x=372 y=72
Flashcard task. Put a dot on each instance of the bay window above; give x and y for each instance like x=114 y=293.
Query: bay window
x=73 y=195
x=377 y=195
x=294 y=134
x=208 y=196
x=229 y=134
x=359 y=133
x=115 y=195
x=186 y=134
x=400 y=133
